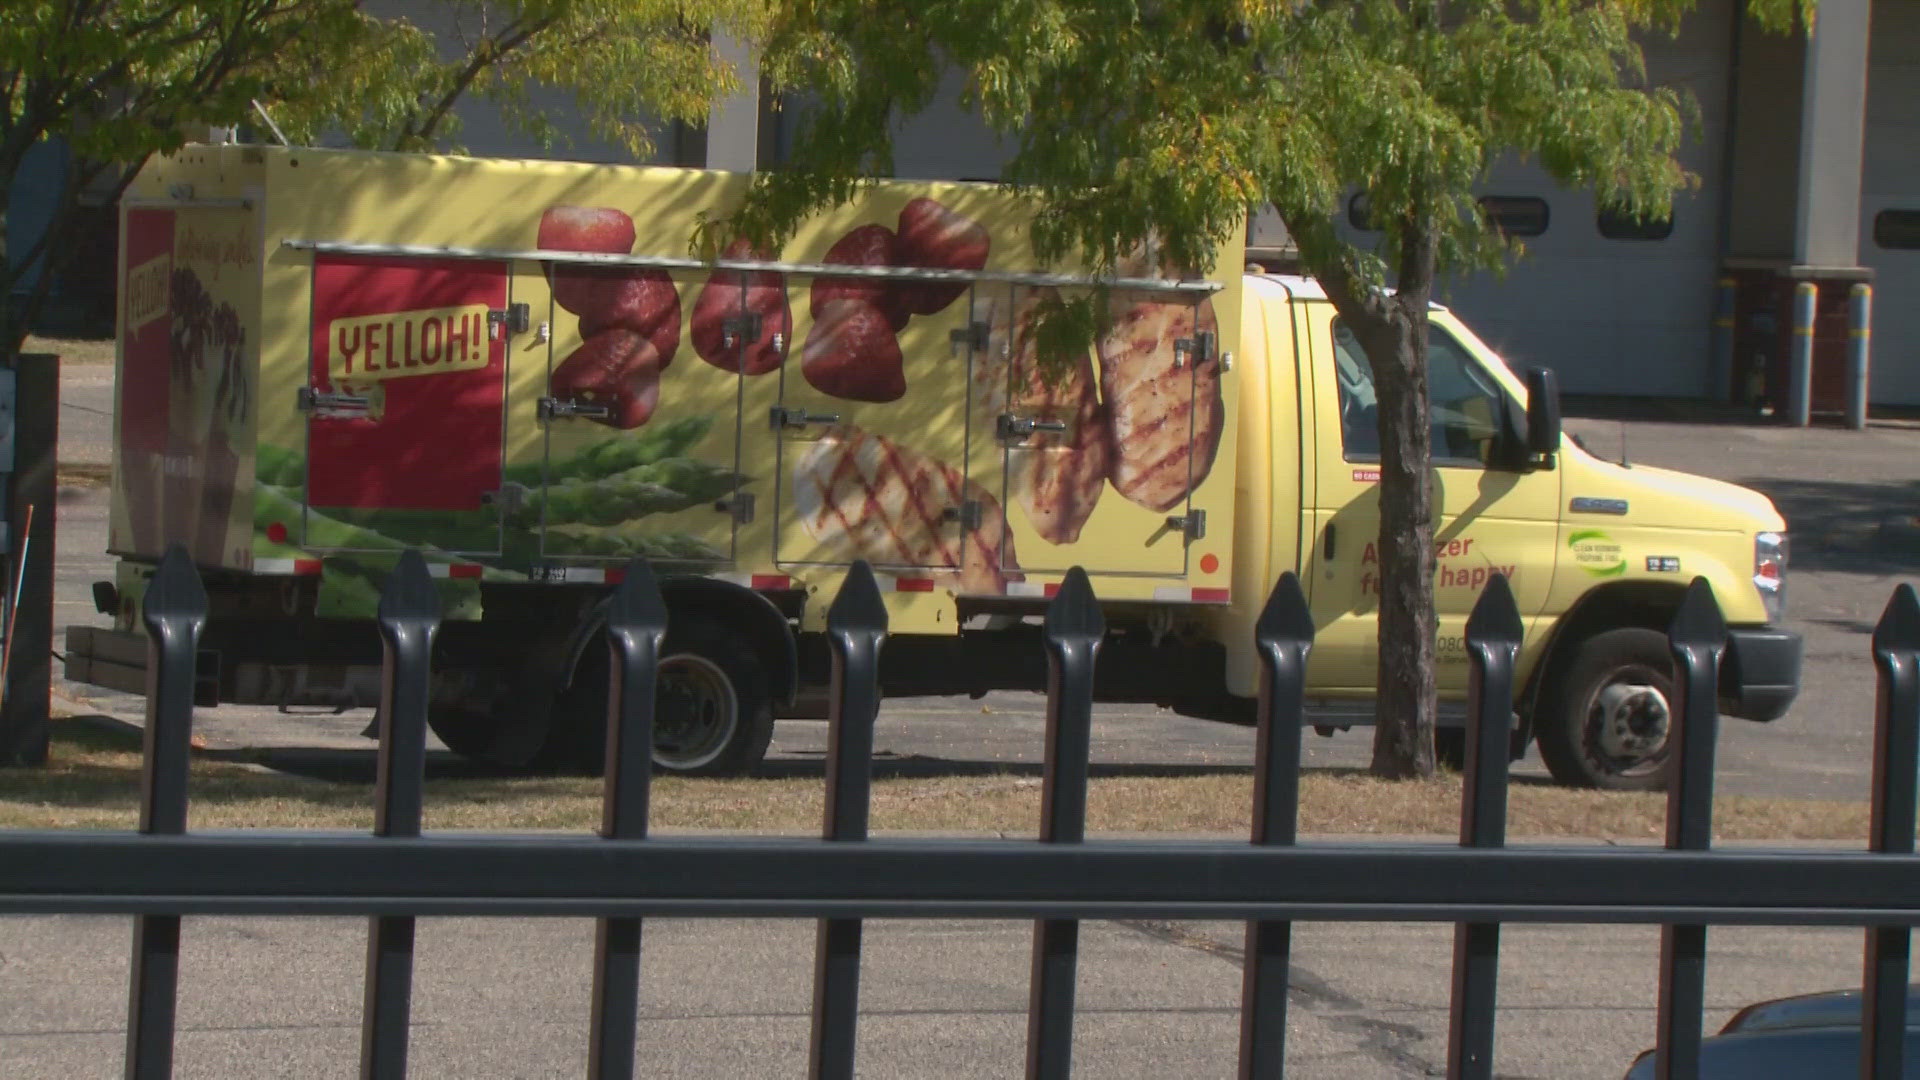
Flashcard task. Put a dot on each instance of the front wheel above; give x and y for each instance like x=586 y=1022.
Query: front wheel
x=714 y=711
x=1606 y=721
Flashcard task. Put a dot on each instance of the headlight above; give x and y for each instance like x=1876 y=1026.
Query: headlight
x=1770 y=572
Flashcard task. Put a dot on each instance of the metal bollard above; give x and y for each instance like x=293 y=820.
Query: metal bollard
x=409 y=617
x=856 y=628
x=1698 y=639
x=1726 y=301
x=1859 y=353
x=636 y=625
x=1282 y=638
x=175 y=612
x=1075 y=627
x=1896 y=760
x=1806 y=297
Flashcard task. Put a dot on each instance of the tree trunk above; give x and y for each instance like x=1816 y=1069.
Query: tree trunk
x=1405 y=710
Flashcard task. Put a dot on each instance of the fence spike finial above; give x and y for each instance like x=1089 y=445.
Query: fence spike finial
x=1074 y=613
x=858 y=607
x=1699 y=620
x=636 y=603
x=1496 y=616
x=175 y=590
x=1287 y=616
x=409 y=593
x=1899 y=627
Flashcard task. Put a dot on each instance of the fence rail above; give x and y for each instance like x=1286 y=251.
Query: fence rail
x=397 y=874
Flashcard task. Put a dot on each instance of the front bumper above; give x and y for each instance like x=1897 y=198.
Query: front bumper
x=1760 y=676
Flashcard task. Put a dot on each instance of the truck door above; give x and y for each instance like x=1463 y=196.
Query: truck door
x=1093 y=458
x=405 y=403
x=871 y=431
x=1487 y=518
x=642 y=418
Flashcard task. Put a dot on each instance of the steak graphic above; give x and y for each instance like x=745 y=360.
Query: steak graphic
x=1164 y=410
x=890 y=506
x=1057 y=476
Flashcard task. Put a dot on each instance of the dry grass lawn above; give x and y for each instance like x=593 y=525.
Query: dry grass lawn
x=93 y=782
x=73 y=350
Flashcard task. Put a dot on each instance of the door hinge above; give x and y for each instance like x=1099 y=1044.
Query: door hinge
x=313 y=399
x=973 y=337
x=515 y=319
x=739 y=504
x=1192 y=524
x=1198 y=349
x=736 y=329
x=968 y=514
x=553 y=408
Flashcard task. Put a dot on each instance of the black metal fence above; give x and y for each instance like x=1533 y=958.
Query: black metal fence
x=622 y=875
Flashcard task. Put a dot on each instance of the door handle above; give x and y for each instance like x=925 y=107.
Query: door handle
x=1327 y=550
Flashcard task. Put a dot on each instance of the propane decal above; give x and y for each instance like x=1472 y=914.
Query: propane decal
x=1597 y=553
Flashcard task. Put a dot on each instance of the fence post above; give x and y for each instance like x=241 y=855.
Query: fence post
x=1074 y=630
x=1494 y=632
x=1896 y=759
x=409 y=616
x=174 y=611
x=636 y=624
x=1697 y=637
x=856 y=627
x=1282 y=638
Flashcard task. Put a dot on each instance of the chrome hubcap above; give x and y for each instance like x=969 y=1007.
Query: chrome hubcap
x=1633 y=720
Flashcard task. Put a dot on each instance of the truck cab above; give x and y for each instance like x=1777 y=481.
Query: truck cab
x=1598 y=553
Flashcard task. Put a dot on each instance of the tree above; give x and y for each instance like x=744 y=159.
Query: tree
x=1171 y=118
x=121 y=80
x=622 y=63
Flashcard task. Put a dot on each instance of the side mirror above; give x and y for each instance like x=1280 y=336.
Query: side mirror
x=1543 y=413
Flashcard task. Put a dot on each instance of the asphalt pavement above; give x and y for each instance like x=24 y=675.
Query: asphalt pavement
x=725 y=998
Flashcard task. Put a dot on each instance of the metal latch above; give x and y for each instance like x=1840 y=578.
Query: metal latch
x=1193 y=524
x=781 y=417
x=1011 y=428
x=313 y=399
x=739 y=504
x=735 y=329
x=967 y=514
x=973 y=337
x=516 y=319
x=553 y=408
x=1198 y=348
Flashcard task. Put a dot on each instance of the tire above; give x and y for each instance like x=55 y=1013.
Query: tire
x=507 y=724
x=1605 y=721
x=714 y=715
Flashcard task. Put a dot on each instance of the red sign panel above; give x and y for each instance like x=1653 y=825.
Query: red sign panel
x=411 y=337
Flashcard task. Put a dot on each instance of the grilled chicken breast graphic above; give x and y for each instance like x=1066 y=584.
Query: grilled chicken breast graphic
x=890 y=505
x=1057 y=476
x=1165 y=411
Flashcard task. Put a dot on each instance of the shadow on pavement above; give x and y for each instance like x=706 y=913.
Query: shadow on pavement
x=1849 y=527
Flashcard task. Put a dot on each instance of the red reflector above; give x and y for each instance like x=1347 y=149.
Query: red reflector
x=465 y=570
x=1211 y=596
x=1769 y=570
x=277 y=533
x=306 y=566
x=771 y=581
x=913 y=584
x=1052 y=589
x=616 y=575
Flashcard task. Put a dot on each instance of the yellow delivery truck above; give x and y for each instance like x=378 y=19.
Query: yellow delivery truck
x=535 y=371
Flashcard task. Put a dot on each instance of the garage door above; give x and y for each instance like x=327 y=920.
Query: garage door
x=1890 y=200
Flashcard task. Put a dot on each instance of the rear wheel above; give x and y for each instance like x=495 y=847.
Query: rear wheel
x=714 y=714
x=1606 y=721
